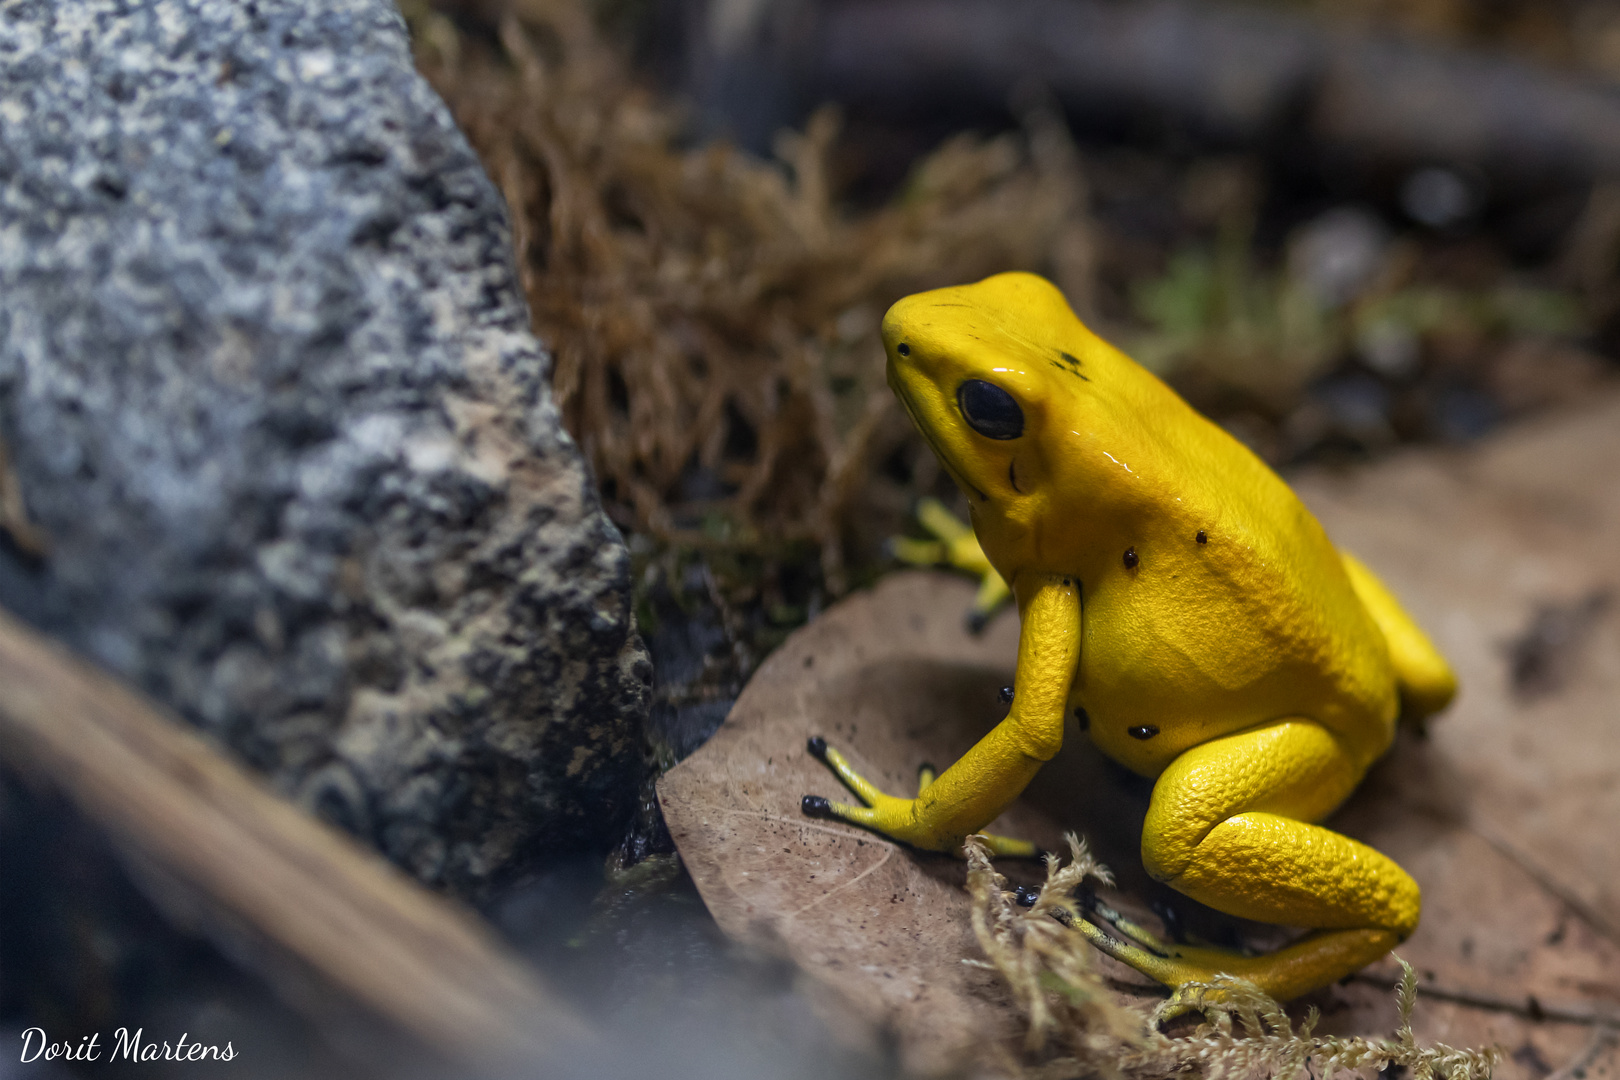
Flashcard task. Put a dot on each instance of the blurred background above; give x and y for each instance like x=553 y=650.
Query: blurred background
x=1337 y=229
x=1340 y=229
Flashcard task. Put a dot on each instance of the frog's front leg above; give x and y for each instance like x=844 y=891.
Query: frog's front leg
x=1230 y=825
x=984 y=781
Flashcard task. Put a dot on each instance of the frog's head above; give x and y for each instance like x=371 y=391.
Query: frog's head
x=1013 y=393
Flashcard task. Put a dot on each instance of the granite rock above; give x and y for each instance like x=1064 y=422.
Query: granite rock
x=285 y=445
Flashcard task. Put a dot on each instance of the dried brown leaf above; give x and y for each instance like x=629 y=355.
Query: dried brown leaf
x=1503 y=813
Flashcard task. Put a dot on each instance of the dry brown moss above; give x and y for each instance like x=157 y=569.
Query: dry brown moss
x=1053 y=974
x=714 y=317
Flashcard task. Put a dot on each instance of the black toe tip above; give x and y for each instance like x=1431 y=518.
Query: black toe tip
x=817 y=746
x=1026 y=896
x=815 y=806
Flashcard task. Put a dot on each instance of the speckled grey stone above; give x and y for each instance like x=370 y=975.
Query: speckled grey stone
x=267 y=388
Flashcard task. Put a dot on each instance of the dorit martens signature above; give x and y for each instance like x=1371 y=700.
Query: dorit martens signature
x=125 y=1045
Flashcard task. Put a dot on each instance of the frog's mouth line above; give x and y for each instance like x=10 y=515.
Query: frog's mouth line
x=928 y=436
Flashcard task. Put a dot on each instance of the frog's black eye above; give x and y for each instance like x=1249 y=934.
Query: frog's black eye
x=903 y=349
x=990 y=410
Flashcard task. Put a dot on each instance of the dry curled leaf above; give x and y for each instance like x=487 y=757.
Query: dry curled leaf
x=893 y=679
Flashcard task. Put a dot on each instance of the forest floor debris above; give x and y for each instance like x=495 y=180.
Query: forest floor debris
x=1054 y=974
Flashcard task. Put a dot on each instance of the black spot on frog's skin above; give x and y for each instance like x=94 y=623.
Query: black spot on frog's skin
x=903 y=349
x=1082 y=717
x=1143 y=732
x=1006 y=695
x=1203 y=537
x=1071 y=364
x=1130 y=558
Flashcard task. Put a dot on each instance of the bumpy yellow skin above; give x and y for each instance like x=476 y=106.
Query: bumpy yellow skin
x=1173 y=587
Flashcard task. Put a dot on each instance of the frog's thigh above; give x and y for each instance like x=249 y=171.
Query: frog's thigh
x=1230 y=826
x=1426 y=680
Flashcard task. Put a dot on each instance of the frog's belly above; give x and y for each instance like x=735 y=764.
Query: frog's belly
x=1152 y=688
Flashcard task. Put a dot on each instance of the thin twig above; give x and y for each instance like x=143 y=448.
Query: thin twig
x=1605 y=1038
x=1588 y=914
x=1529 y=1007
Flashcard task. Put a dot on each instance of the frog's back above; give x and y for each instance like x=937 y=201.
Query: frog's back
x=1235 y=607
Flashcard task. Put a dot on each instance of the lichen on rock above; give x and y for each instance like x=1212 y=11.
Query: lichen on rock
x=269 y=395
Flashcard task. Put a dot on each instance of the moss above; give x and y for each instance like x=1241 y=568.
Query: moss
x=1078 y=1028
x=715 y=316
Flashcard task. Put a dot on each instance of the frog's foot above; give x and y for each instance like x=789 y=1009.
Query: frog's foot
x=1190 y=969
x=1135 y=945
x=1106 y=918
x=896 y=818
x=956 y=546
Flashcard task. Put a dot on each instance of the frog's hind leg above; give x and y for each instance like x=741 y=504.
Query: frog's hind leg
x=954 y=545
x=1426 y=681
x=1230 y=825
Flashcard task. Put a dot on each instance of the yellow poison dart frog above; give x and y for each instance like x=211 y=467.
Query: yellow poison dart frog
x=1175 y=596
